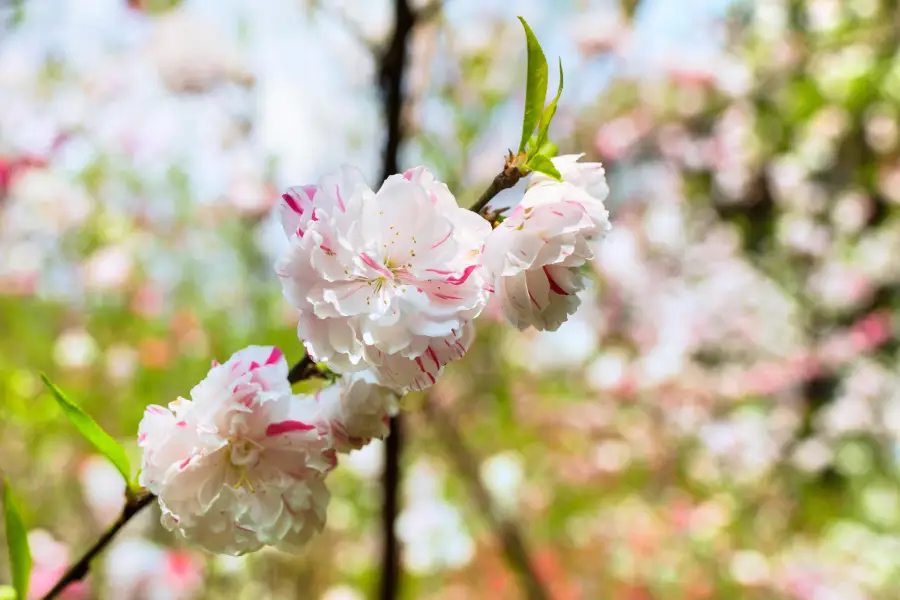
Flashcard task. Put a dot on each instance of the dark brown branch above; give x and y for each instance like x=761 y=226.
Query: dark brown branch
x=504 y=180
x=511 y=539
x=79 y=570
x=392 y=67
x=304 y=369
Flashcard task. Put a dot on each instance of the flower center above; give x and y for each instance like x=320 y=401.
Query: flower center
x=244 y=452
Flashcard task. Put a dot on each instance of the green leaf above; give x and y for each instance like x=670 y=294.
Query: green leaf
x=536 y=85
x=548 y=149
x=101 y=440
x=549 y=112
x=542 y=164
x=16 y=543
x=7 y=592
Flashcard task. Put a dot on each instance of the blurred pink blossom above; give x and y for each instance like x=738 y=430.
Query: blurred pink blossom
x=51 y=559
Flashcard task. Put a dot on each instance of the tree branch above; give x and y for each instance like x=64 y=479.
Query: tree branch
x=305 y=368
x=504 y=180
x=79 y=570
x=511 y=539
x=391 y=73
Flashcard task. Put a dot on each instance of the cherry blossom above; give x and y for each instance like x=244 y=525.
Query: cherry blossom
x=382 y=279
x=241 y=464
x=355 y=410
x=534 y=256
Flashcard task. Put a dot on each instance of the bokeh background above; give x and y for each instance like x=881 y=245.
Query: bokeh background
x=720 y=420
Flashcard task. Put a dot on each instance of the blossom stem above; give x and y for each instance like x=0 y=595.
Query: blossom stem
x=305 y=368
x=511 y=539
x=504 y=180
x=79 y=570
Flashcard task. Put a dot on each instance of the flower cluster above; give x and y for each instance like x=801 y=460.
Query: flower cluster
x=391 y=281
x=387 y=285
x=242 y=463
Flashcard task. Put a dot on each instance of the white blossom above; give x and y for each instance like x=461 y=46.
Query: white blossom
x=382 y=280
x=241 y=464
x=355 y=410
x=534 y=256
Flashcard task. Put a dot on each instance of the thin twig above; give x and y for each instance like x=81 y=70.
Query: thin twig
x=510 y=537
x=504 y=180
x=79 y=570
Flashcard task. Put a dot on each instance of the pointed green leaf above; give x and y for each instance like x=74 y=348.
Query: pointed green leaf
x=542 y=164
x=536 y=85
x=101 y=440
x=548 y=149
x=549 y=112
x=16 y=543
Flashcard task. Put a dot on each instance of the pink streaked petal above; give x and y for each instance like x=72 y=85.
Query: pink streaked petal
x=310 y=191
x=555 y=286
x=353 y=291
x=215 y=363
x=433 y=356
x=422 y=368
x=153 y=409
x=439 y=271
x=185 y=463
x=337 y=192
x=446 y=237
x=275 y=356
x=141 y=438
x=254 y=365
x=446 y=296
x=292 y=203
x=557 y=213
x=371 y=263
x=287 y=427
x=462 y=278
x=181 y=424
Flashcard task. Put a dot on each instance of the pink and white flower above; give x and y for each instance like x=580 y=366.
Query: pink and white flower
x=403 y=374
x=582 y=183
x=534 y=256
x=356 y=410
x=241 y=464
x=380 y=278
